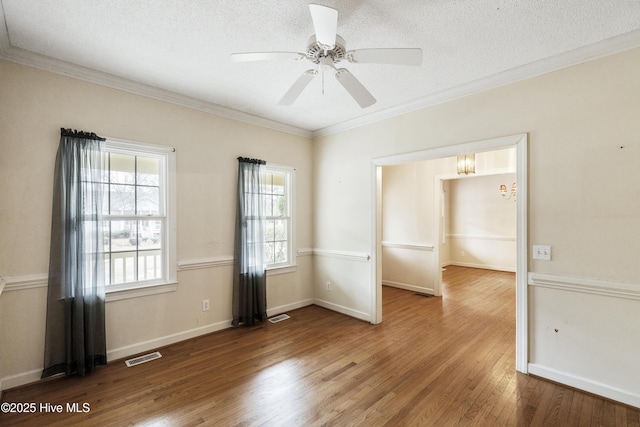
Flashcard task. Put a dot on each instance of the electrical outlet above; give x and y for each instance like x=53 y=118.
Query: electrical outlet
x=328 y=285
x=205 y=305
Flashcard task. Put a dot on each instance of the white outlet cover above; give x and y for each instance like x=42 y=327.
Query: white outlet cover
x=542 y=252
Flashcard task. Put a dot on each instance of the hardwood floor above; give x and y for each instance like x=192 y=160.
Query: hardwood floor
x=433 y=362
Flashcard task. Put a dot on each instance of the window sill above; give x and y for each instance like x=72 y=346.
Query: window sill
x=274 y=271
x=140 y=291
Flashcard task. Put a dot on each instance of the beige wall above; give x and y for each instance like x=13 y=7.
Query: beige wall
x=477 y=220
x=584 y=201
x=33 y=106
x=482 y=225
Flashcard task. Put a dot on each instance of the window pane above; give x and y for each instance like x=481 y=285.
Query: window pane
x=122 y=168
x=267 y=206
x=269 y=230
x=269 y=250
x=280 y=227
x=105 y=199
x=149 y=265
x=123 y=236
x=148 y=201
x=123 y=267
x=278 y=183
x=148 y=171
x=280 y=249
x=266 y=184
x=122 y=198
x=279 y=206
x=149 y=234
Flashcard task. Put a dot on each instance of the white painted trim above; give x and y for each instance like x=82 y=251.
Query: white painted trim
x=305 y=252
x=408 y=287
x=28 y=281
x=481 y=146
x=409 y=246
x=581 y=383
x=34 y=281
x=140 y=347
x=20 y=379
x=342 y=309
x=613 y=45
x=520 y=141
x=140 y=291
x=200 y=263
x=481 y=237
x=510 y=269
x=588 y=286
x=349 y=256
x=3 y=283
x=577 y=56
x=376 y=232
x=288 y=307
x=43 y=62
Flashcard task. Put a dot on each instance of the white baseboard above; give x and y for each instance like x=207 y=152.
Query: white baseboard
x=20 y=379
x=585 y=384
x=130 y=350
x=482 y=266
x=342 y=309
x=141 y=347
x=287 y=307
x=408 y=287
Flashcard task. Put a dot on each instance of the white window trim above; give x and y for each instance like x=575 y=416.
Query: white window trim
x=291 y=265
x=170 y=282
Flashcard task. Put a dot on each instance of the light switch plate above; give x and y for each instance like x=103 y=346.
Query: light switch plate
x=542 y=252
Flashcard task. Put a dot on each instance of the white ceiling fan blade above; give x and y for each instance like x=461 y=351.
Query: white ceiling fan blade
x=266 y=56
x=297 y=88
x=325 y=22
x=412 y=56
x=355 y=88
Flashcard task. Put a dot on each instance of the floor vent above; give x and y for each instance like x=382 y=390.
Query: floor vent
x=142 y=359
x=423 y=295
x=279 y=318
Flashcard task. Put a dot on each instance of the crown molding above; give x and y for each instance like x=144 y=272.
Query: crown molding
x=591 y=52
x=621 y=43
x=46 y=63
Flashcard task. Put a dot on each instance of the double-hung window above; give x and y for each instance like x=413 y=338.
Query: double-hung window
x=277 y=193
x=139 y=207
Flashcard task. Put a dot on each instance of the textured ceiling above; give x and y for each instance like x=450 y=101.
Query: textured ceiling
x=183 y=46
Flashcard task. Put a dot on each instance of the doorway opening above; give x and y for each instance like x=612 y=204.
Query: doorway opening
x=520 y=143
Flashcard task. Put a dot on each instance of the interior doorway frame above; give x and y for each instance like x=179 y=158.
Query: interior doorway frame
x=520 y=141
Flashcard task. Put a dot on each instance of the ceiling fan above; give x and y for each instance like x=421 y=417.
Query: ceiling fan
x=326 y=49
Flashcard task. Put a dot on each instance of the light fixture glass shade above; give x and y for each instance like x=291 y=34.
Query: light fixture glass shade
x=466 y=164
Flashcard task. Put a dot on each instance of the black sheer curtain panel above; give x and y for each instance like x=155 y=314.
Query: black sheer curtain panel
x=75 y=340
x=249 y=278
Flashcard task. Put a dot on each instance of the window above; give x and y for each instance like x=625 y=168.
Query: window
x=278 y=211
x=139 y=241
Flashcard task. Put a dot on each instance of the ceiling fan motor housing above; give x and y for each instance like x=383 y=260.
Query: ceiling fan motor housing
x=316 y=53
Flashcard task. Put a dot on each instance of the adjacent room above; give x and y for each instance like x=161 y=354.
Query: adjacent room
x=442 y=198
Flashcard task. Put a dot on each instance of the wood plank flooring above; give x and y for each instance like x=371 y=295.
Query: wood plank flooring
x=432 y=362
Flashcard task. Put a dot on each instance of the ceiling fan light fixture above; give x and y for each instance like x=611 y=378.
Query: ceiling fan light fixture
x=325 y=49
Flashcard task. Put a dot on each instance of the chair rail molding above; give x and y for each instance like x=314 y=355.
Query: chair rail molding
x=585 y=285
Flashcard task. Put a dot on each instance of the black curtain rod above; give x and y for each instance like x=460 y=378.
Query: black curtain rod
x=248 y=160
x=80 y=134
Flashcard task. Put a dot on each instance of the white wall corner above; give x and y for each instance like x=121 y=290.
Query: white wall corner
x=342 y=309
x=288 y=307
